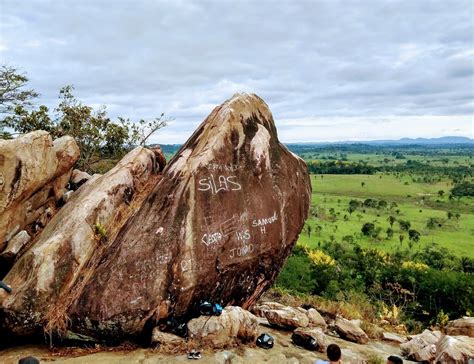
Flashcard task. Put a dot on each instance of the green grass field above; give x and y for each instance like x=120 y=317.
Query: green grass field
x=416 y=202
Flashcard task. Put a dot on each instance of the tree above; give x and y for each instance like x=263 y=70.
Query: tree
x=389 y=233
x=13 y=94
x=401 y=237
x=368 y=229
x=463 y=189
x=413 y=235
x=391 y=220
x=353 y=205
x=440 y=193
x=404 y=225
x=362 y=184
x=449 y=214
x=141 y=131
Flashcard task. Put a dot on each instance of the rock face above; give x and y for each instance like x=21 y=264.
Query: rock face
x=34 y=171
x=350 y=331
x=218 y=226
x=216 y=331
x=462 y=326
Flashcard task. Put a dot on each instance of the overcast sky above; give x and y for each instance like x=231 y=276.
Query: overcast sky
x=329 y=70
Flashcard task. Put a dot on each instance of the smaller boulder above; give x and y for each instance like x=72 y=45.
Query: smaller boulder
x=259 y=310
x=347 y=330
x=287 y=318
x=15 y=245
x=454 y=350
x=462 y=326
x=78 y=178
x=234 y=324
x=311 y=339
x=392 y=337
x=315 y=319
x=421 y=347
x=166 y=340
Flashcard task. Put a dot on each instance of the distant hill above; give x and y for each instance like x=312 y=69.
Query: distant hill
x=421 y=141
x=447 y=140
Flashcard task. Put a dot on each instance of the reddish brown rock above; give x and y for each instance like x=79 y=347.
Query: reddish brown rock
x=218 y=226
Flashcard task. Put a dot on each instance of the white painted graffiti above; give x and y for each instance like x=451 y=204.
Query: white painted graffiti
x=242 y=235
x=264 y=221
x=211 y=238
x=242 y=251
x=222 y=167
x=219 y=183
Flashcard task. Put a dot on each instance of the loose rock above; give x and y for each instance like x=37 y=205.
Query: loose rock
x=287 y=318
x=349 y=331
x=217 y=331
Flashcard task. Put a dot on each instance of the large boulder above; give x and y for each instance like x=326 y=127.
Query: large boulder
x=287 y=317
x=233 y=325
x=348 y=330
x=421 y=347
x=50 y=276
x=462 y=326
x=218 y=225
x=454 y=349
x=34 y=171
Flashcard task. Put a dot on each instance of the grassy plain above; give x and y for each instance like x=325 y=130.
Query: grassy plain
x=416 y=202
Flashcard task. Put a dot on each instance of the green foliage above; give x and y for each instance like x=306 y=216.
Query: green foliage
x=13 y=94
x=100 y=231
x=368 y=229
x=404 y=225
x=463 y=189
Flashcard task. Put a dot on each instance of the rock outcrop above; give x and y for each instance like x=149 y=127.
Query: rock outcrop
x=217 y=331
x=34 y=172
x=121 y=256
x=462 y=326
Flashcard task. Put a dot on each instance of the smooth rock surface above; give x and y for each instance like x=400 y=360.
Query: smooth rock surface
x=350 y=331
x=233 y=324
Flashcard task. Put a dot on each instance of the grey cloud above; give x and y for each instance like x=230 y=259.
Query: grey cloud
x=305 y=58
